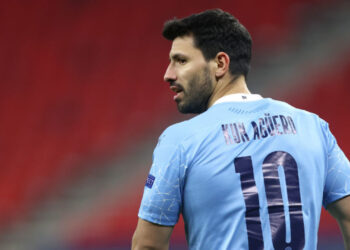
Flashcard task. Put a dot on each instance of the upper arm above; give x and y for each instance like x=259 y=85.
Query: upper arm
x=151 y=236
x=336 y=196
x=340 y=210
x=162 y=198
x=337 y=182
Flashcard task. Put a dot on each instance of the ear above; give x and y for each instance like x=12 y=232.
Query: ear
x=223 y=63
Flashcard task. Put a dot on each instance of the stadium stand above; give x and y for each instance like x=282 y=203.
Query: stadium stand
x=80 y=87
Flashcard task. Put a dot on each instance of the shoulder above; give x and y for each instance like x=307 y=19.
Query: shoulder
x=297 y=111
x=305 y=117
x=176 y=133
x=173 y=134
x=179 y=132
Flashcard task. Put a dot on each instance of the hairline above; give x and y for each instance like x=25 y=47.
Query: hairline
x=194 y=43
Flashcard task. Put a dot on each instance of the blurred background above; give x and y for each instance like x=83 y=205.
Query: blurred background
x=82 y=103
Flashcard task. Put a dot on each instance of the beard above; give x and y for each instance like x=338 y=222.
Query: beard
x=196 y=96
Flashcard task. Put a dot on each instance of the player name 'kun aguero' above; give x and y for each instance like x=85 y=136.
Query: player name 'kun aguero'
x=270 y=125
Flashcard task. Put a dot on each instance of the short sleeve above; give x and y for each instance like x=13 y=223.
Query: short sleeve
x=337 y=183
x=162 y=197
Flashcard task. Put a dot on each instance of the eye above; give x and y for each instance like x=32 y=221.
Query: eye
x=181 y=61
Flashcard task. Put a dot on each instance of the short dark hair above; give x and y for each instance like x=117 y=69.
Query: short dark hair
x=215 y=31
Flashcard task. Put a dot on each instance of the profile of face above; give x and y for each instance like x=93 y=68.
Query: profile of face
x=189 y=76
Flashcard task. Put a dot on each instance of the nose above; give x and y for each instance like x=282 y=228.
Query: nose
x=170 y=75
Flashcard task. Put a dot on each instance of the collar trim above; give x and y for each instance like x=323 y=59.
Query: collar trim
x=240 y=97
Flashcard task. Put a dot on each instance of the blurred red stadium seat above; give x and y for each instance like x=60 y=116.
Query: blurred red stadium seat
x=77 y=84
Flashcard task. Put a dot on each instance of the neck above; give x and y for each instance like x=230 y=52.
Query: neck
x=225 y=86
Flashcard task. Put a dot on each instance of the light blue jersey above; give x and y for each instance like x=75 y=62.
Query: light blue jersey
x=246 y=175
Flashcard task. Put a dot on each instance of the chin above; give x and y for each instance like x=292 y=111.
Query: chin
x=182 y=109
x=187 y=110
x=195 y=108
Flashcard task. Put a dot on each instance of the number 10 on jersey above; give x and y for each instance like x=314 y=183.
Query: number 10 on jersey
x=244 y=166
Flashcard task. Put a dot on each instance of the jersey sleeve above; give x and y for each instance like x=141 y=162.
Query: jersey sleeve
x=162 y=197
x=337 y=184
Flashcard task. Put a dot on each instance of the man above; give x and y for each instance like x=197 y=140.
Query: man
x=248 y=172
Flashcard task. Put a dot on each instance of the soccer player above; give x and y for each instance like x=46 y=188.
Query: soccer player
x=247 y=172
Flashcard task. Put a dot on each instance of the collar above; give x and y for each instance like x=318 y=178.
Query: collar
x=240 y=97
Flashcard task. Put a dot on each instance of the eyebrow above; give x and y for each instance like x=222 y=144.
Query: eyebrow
x=177 y=56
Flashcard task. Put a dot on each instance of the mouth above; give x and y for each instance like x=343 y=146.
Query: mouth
x=178 y=90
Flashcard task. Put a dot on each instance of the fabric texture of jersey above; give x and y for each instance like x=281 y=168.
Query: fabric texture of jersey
x=246 y=175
